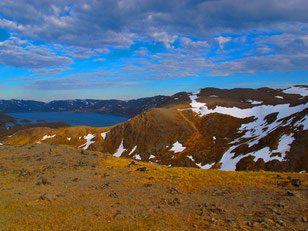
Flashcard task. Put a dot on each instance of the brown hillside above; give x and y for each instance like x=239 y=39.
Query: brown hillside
x=177 y=136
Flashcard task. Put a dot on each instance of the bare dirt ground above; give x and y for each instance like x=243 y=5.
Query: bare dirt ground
x=51 y=187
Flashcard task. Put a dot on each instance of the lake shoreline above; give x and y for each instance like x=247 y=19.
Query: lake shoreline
x=92 y=119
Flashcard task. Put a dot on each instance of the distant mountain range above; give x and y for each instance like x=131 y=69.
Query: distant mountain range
x=128 y=108
x=228 y=129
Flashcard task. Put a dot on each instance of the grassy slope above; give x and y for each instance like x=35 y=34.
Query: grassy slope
x=93 y=191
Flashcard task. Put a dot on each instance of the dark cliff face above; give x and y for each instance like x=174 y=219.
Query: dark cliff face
x=128 y=108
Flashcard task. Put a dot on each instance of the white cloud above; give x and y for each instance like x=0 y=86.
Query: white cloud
x=164 y=38
x=222 y=40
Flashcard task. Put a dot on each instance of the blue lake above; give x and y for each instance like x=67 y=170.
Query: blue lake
x=71 y=118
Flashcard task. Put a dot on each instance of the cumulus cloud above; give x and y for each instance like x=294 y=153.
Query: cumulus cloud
x=189 y=30
x=101 y=23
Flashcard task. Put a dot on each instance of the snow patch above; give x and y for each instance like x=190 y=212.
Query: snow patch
x=228 y=162
x=258 y=111
x=104 y=135
x=254 y=102
x=48 y=137
x=137 y=157
x=284 y=146
x=1 y=143
x=303 y=91
x=69 y=138
x=206 y=166
x=132 y=151
x=191 y=157
x=120 y=150
x=152 y=156
x=177 y=147
x=86 y=145
x=194 y=104
x=278 y=97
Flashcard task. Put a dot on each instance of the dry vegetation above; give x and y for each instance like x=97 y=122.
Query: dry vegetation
x=51 y=187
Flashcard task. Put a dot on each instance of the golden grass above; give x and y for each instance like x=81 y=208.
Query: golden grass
x=194 y=179
x=83 y=207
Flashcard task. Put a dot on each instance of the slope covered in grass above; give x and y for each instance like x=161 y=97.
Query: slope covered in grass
x=51 y=187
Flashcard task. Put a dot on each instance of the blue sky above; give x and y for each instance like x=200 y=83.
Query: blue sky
x=128 y=49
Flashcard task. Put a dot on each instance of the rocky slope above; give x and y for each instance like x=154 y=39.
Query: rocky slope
x=52 y=187
x=237 y=129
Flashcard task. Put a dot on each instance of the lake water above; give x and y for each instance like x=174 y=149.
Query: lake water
x=71 y=118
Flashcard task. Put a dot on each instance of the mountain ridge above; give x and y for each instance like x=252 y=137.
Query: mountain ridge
x=128 y=108
x=236 y=129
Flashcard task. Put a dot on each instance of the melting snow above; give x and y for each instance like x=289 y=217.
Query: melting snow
x=137 y=157
x=255 y=130
x=278 y=97
x=229 y=163
x=284 y=146
x=48 y=137
x=132 y=151
x=1 y=143
x=104 y=135
x=177 y=147
x=191 y=157
x=120 y=150
x=69 y=138
x=151 y=156
x=257 y=111
x=89 y=138
x=206 y=166
x=214 y=96
x=254 y=102
x=227 y=160
x=303 y=91
x=194 y=103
